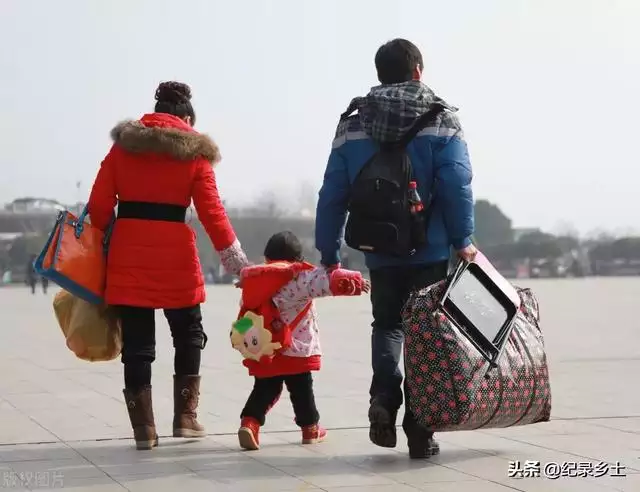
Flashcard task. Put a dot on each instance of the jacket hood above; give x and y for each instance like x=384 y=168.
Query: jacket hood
x=390 y=110
x=261 y=282
x=161 y=133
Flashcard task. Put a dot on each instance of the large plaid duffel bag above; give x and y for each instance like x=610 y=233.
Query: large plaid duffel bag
x=449 y=385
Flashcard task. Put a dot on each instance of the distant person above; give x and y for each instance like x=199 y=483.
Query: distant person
x=154 y=169
x=288 y=285
x=31 y=276
x=440 y=161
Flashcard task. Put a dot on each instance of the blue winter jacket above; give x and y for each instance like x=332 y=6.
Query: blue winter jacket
x=440 y=163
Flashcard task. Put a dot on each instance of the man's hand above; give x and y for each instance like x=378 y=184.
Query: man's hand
x=467 y=254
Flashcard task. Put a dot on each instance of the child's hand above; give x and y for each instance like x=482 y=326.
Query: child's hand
x=348 y=283
x=347 y=287
x=366 y=286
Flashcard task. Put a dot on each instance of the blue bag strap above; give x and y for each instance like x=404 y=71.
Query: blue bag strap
x=79 y=227
x=107 y=233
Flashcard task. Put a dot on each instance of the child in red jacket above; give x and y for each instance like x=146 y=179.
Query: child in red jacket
x=282 y=291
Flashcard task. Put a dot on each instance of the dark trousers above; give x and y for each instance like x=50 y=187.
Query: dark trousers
x=139 y=342
x=266 y=393
x=33 y=283
x=390 y=289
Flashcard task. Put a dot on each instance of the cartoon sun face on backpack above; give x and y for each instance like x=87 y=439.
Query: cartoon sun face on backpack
x=251 y=338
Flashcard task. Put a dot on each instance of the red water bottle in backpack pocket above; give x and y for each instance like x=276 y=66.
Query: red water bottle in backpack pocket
x=416 y=208
x=415 y=202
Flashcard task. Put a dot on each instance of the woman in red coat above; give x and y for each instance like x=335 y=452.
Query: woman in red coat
x=155 y=168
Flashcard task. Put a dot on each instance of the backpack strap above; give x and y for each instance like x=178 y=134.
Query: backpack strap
x=296 y=321
x=421 y=123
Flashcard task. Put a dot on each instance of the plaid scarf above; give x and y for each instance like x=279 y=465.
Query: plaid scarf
x=389 y=111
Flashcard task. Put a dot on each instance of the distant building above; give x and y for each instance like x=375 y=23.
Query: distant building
x=33 y=205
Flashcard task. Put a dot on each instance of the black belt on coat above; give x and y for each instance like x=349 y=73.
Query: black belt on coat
x=152 y=211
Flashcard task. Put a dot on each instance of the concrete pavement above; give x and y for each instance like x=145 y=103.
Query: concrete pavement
x=63 y=423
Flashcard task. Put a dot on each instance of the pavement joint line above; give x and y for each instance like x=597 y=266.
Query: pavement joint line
x=256 y=459
x=34 y=421
x=360 y=427
x=169 y=436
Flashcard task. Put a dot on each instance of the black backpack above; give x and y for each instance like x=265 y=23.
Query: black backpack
x=380 y=219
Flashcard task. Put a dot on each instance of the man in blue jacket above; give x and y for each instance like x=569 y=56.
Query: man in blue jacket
x=441 y=167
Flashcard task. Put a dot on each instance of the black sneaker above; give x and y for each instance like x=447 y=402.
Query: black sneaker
x=420 y=450
x=382 y=429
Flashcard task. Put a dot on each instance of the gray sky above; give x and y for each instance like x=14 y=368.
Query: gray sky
x=547 y=90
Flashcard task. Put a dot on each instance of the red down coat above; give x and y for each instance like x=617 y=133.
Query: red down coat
x=160 y=159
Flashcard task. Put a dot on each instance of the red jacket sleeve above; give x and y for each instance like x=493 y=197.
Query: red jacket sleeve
x=215 y=221
x=103 y=196
x=210 y=210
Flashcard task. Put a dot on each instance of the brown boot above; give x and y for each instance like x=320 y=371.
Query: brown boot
x=186 y=390
x=140 y=410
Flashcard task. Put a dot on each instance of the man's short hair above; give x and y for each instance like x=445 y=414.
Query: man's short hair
x=396 y=60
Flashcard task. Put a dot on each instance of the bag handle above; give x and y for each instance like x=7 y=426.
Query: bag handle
x=452 y=278
x=79 y=227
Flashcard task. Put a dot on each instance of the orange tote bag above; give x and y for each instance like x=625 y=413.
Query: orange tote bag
x=74 y=257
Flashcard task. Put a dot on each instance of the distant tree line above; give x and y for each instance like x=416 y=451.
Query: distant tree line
x=495 y=236
x=625 y=248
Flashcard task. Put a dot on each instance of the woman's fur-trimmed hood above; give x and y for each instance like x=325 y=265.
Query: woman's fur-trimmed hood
x=135 y=137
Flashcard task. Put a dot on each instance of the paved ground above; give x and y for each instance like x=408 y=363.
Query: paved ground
x=63 y=423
